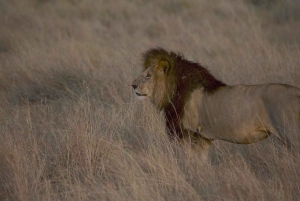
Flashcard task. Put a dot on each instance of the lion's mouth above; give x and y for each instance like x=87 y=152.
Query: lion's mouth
x=138 y=94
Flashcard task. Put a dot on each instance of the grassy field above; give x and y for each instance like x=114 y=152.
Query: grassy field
x=71 y=129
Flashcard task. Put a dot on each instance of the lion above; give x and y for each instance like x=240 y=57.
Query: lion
x=200 y=108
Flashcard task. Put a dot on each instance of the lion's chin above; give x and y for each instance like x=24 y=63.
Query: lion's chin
x=141 y=96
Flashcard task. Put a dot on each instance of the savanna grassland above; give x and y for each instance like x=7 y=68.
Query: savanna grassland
x=71 y=128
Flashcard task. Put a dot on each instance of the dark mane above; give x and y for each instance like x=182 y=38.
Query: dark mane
x=193 y=72
x=187 y=76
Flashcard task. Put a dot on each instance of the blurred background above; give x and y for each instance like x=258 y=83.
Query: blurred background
x=71 y=129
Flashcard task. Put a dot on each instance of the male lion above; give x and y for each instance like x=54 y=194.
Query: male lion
x=198 y=106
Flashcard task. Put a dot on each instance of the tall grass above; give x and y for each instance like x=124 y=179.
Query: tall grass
x=71 y=129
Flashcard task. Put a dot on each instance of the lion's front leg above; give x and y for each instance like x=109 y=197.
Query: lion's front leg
x=199 y=145
x=202 y=146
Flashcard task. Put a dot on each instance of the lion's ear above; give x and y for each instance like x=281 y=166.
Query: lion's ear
x=162 y=67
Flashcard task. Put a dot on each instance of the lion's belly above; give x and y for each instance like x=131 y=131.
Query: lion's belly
x=244 y=129
x=238 y=135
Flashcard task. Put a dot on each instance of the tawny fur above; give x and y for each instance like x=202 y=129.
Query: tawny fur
x=195 y=103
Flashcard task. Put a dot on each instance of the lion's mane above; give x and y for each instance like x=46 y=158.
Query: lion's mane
x=182 y=77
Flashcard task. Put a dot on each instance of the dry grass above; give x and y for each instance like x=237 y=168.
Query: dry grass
x=71 y=129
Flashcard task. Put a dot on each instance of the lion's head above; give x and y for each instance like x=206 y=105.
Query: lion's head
x=144 y=85
x=168 y=77
x=156 y=81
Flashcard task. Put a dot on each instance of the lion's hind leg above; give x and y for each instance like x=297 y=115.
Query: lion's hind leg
x=285 y=127
x=283 y=137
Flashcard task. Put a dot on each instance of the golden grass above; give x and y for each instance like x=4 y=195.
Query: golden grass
x=71 y=129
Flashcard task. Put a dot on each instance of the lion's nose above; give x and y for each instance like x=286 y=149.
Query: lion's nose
x=134 y=86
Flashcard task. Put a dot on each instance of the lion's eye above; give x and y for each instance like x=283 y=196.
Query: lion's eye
x=148 y=76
